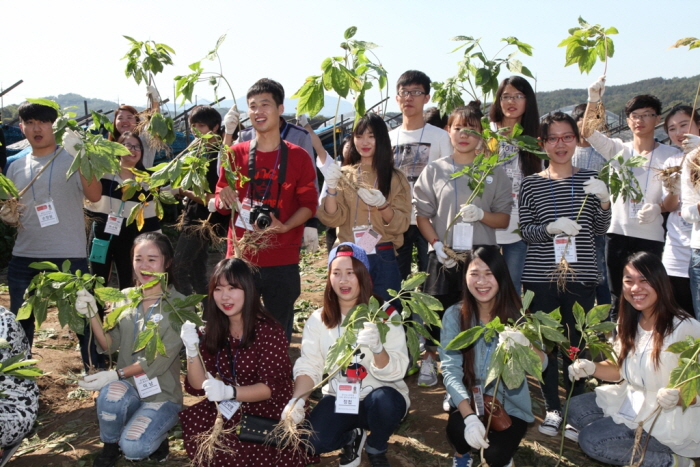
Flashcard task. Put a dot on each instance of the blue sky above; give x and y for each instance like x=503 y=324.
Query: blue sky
x=287 y=41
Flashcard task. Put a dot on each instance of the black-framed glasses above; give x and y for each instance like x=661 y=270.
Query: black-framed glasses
x=570 y=138
x=514 y=97
x=132 y=147
x=406 y=93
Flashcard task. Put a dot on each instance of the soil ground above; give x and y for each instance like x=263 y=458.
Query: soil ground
x=66 y=432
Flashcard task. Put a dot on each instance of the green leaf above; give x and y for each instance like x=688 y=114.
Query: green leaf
x=604 y=327
x=465 y=338
x=143 y=338
x=44 y=265
x=412 y=344
x=414 y=281
x=350 y=32
x=46 y=102
x=109 y=294
x=597 y=314
x=579 y=315
x=340 y=82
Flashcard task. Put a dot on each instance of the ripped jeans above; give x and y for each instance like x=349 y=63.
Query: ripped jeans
x=139 y=427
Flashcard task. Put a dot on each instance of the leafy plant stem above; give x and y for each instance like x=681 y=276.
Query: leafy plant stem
x=488 y=422
x=563 y=422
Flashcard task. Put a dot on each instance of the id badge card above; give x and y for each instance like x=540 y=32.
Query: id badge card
x=228 y=408
x=347 y=398
x=632 y=404
x=366 y=238
x=561 y=248
x=243 y=219
x=46 y=213
x=114 y=224
x=478 y=395
x=634 y=209
x=413 y=208
x=462 y=236
x=146 y=387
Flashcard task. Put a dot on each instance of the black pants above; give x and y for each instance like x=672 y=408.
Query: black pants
x=547 y=298
x=405 y=253
x=502 y=444
x=279 y=287
x=682 y=293
x=621 y=247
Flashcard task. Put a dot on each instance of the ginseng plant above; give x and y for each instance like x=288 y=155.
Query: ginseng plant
x=485 y=163
x=511 y=360
x=585 y=45
x=286 y=432
x=60 y=286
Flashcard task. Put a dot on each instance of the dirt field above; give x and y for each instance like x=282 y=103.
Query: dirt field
x=66 y=433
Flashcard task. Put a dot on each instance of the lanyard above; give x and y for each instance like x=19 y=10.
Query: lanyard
x=357 y=201
x=232 y=361
x=31 y=172
x=554 y=198
x=147 y=318
x=651 y=159
x=415 y=156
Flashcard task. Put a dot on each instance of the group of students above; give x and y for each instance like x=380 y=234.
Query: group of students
x=392 y=189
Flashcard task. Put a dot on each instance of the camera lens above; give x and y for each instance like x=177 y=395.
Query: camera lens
x=263 y=221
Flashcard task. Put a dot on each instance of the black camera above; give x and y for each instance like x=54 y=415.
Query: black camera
x=260 y=216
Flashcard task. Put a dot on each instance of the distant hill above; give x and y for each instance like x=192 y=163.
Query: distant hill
x=671 y=92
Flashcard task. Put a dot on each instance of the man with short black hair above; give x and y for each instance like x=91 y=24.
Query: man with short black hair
x=282 y=183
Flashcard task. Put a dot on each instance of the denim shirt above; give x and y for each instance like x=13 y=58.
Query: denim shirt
x=515 y=401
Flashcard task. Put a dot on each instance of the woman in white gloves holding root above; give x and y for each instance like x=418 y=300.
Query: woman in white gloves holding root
x=604 y=421
x=561 y=210
x=369 y=201
x=371 y=394
x=488 y=293
x=247 y=369
x=139 y=401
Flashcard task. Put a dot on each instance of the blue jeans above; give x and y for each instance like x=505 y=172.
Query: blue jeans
x=384 y=271
x=405 y=254
x=139 y=427
x=514 y=254
x=694 y=274
x=380 y=413
x=602 y=290
x=20 y=275
x=606 y=441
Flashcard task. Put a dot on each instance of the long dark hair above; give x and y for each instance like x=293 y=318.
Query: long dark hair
x=530 y=120
x=122 y=108
x=330 y=315
x=506 y=306
x=235 y=272
x=666 y=309
x=165 y=248
x=383 y=160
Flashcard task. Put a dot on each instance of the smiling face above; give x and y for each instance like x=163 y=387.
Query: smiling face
x=344 y=281
x=40 y=136
x=147 y=259
x=264 y=113
x=125 y=121
x=482 y=284
x=679 y=125
x=229 y=299
x=134 y=147
x=365 y=145
x=463 y=142
x=513 y=102
x=561 y=151
x=637 y=290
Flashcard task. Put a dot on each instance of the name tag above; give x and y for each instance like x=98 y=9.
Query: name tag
x=46 y=213
x=632 y=404
x=229 y=408
x=634 y=209
x=561 y=249
x=366 y=238
x=243 y=219
x=114 y=224
x=462 y=236
x=478 y=395
x=347 y=398
x=146 y=387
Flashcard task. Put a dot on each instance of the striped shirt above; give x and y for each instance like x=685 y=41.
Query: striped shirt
x=544 y=200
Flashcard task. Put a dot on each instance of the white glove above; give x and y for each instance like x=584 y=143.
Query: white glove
x=369 y=336
x=563 y=225
x=442 y=256
x=331 y=174
x=581 y=368
x=690 y=142
x=231 y=120
x=371 y=197
x=471 y=213
x=85 y=303
x=648 y=213
x=71 y=139
x=217 y=390
x=98 y=380
x=294 y=410
x=211 y=205
x=668 y=398
x=596 y=90
x=302 y=120
x=190 y=338
x=597 y=187
x=152 y=93
x=311 y=239
x=512 y=336
x=475 y=432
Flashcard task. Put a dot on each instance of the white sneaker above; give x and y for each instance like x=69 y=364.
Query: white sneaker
x=571 y=433
x=428 y=374
x=551 y=424
x=446 y=402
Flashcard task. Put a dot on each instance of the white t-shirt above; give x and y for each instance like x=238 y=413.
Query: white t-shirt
x=691 y=196
x=676 y=257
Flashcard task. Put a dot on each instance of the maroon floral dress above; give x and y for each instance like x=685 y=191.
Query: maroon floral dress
x=265 y=361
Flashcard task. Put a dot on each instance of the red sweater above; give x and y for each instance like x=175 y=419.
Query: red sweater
x=298 y=191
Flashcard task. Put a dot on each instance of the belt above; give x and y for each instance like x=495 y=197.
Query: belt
x=385 y=246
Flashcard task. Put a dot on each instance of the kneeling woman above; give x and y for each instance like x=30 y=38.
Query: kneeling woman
x=375 y=373
x=139 y=402
x=246 y=370
x=489 y=293
x=604 y=421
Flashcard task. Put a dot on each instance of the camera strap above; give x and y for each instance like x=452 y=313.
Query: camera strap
x=281 y=168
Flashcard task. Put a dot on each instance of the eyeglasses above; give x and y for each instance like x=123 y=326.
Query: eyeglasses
x=405 y=93
x=132 y=147
x=555 y=139
x=515 y=97
x=635 y=117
